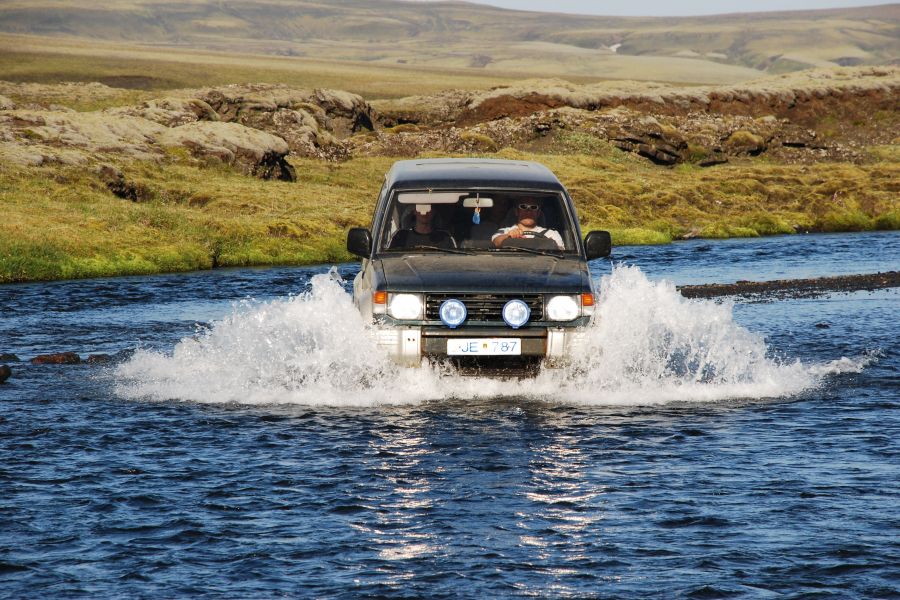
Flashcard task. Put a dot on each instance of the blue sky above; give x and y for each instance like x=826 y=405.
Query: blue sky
x=669 y=7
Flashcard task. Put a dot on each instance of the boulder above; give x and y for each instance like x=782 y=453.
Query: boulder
x=5 y=373
x=7 y=357
x=253 y=151
x=59 y=358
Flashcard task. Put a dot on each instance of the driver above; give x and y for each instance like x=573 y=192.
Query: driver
x=527 y=214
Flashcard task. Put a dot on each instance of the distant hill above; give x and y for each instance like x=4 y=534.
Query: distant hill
x=715 y=49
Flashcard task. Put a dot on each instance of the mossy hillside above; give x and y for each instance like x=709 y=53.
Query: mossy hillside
x=64 y=223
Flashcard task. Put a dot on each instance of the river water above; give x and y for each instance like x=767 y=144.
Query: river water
x=248 y=441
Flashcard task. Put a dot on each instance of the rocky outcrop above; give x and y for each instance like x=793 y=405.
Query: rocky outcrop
x=789 y=117
x=313 y=122
x=48 y=137
x=45 y=137
x=254 y=152
x=802 y=98
x=5 y=373
x=699 y=138
x=253 y=127
x=811 y=116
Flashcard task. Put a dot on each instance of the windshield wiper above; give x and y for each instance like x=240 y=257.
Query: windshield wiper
x=553 y=253
x=451 y=250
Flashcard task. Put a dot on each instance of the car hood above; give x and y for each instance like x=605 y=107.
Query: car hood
x=489 y=273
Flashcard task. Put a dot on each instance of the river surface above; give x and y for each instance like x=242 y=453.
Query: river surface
x=247 y=441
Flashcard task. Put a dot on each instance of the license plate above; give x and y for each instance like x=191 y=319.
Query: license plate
x=484 y=346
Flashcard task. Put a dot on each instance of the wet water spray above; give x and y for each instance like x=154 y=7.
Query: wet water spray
x=648 y=345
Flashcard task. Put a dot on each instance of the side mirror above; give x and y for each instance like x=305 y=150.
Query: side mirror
x=359 y=242
x=597 y=244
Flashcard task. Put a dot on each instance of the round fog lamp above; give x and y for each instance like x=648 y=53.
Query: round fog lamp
x=453 y=313
x=516 y=313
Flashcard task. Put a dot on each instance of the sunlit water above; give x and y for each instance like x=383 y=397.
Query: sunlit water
x=256 y=444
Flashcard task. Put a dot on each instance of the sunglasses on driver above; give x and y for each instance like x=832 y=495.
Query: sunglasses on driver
x=524 y=206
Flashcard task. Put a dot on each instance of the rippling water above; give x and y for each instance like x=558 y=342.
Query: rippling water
x=260 y=448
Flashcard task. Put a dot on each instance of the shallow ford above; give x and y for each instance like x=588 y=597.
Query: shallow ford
x=476 y=261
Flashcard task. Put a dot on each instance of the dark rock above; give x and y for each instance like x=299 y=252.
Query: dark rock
x=123 y=354
x=60 y=358
x=274 y=166
x=5 y=372
x=116 y=183
x=713 y=159
x=95 y=359
x=823 y=326
x=660 y=156
x=9 y=358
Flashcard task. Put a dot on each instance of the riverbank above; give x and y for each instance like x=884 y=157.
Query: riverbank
x=67 y=222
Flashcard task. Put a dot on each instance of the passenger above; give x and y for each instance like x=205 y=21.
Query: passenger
x=527 y=214
x=423 y=232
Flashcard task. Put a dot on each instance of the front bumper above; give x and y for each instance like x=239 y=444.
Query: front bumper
x=408 y=345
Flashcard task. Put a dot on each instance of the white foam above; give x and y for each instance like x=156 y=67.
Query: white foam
x=649 y=345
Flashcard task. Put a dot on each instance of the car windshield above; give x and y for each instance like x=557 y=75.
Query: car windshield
x=448 y=220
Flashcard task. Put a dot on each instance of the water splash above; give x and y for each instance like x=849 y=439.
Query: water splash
x=649 y=345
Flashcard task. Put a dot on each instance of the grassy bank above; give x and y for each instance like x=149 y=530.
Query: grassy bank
x=62 y=223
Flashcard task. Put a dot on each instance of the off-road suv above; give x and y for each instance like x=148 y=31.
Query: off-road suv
x=440 y=279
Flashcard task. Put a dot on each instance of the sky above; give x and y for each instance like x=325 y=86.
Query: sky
x=671 y=8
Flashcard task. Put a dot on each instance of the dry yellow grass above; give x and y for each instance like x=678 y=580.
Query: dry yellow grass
x=63 y=223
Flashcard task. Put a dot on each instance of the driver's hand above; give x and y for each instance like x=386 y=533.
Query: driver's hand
x=515 y=232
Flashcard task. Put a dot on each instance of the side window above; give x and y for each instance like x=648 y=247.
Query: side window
x=392 y=225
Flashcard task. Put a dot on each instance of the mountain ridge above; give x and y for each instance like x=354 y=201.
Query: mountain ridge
x=471 y=36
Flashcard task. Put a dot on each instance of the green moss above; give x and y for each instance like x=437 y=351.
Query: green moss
x=765 y=224
x=845 y=220
x=479 y=141
x=696 y=153
x=744 y=139
x=402 y=128
x=636 y=236
x=889 y=221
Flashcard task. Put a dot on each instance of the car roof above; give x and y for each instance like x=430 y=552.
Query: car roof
x=471 y=173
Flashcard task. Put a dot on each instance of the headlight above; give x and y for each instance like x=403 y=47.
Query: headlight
x=405 y=307
x=516 y=313
x=562 y=308
x=453 y=312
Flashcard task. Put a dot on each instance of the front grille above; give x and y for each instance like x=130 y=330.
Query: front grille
x=484 y=307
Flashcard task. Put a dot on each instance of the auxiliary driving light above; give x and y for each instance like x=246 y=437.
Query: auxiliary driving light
x=453 y=312
x=516 y=313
